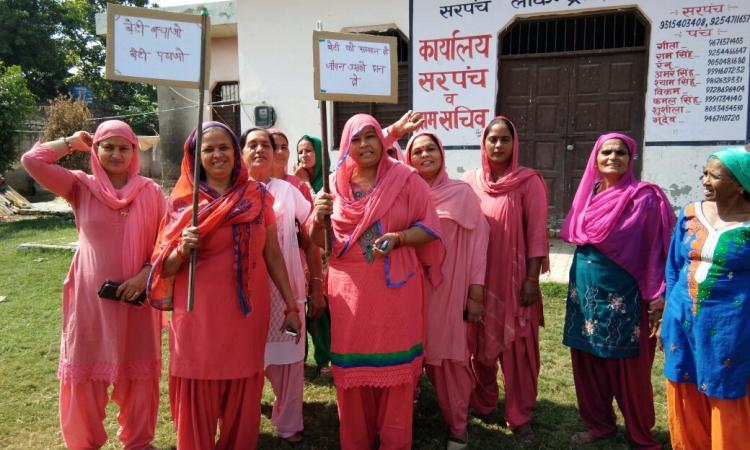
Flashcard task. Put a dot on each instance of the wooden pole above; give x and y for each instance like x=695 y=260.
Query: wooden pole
x=197 y=159
x=325 y=162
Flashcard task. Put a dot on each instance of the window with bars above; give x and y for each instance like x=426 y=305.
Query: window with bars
x=225 y=105
x=385 y=113
x=574 y=34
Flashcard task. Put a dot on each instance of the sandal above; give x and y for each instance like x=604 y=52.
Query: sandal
x=297 y=440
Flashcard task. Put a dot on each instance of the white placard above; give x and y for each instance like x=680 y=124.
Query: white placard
x=151 y=46
x=353 y=67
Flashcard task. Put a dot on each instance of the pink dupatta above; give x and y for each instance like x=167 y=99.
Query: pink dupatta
x=351 y=217
x=141 y=229
x=453 y=199
x=631 y=222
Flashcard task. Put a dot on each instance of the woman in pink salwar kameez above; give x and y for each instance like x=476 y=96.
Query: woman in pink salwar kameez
x=106 y=342
x=514 y=200
x=216 y=349
x=381 y=210
x=459 y=300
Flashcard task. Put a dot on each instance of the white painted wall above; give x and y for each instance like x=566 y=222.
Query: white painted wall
x=677 y=170
x=225 y=60
x=275 y=58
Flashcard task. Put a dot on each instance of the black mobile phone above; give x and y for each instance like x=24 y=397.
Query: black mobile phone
x=108 y=291
x=466 y=314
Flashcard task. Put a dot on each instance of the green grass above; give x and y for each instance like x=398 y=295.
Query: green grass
x=29 y=344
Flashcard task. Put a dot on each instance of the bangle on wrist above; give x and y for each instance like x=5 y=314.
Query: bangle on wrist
x=180 y=254
x=68 y=145
x=534 y=280
x=293 y=309
x=317 y=278
x=401 y=238
x=481 y=302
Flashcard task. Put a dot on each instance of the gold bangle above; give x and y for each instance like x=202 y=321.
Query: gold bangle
x=316 y=278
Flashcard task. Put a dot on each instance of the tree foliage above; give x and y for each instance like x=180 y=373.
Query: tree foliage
x=16 y=104
x=55 y=44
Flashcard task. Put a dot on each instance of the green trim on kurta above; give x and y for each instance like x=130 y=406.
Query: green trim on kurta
x=347 y=360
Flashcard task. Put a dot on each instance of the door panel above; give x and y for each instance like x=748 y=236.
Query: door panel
x=562 y=104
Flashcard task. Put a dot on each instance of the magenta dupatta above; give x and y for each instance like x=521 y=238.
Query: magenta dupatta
x=453 y=199
x=631 y=222
x=351 y=217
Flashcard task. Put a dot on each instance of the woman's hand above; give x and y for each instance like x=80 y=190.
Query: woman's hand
x=655 y=311
x=190 y=240
x=530 y=293
x=133 y=287
x=408 y=123
x=323 y=206
x=81 y=141
x=475 y=303
x=292 y=323
x=316 y=304
x=385 y=243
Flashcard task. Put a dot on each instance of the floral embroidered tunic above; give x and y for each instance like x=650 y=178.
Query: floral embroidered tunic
x=603 y=309
x=705 y=328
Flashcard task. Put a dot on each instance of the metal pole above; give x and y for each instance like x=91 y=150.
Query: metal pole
x=197 y=159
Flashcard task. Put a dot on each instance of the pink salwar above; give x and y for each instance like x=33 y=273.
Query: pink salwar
x=454 y=383
x=627 y=380
x=520 y=366
x=287 y=381
x=82 y=407
x=198 y=405
x=367 y=411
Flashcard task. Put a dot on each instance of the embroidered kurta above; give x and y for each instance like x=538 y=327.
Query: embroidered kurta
x=377 y=319
x=103 y=339
x=705 y=324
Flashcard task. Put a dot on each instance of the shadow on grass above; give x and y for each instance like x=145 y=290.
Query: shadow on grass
x=8 y=230
x=321 y=427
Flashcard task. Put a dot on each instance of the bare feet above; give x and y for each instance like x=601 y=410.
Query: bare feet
x=583 y=438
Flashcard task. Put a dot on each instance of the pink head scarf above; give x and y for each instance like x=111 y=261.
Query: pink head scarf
x=453 y=199
x=514 y=174
x=351 y=217
x=631 y=222
x=99 y=184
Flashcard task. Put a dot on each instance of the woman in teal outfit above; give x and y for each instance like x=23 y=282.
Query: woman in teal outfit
x=621 y=227
x=705 y=332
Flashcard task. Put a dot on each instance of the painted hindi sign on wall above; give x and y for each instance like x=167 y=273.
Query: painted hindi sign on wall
x=152 y=46
x=355 y=67
x=698 y=60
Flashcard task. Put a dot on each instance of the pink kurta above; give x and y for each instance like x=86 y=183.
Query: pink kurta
x=377 y=331
x=522 y=235
x=464 y=265
x=102 y=339
x=216 y=341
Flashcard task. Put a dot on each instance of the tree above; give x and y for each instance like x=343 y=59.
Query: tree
x=17 y=103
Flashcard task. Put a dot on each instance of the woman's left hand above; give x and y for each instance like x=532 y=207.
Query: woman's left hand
x=654 y=322
x=408 y=123
x=530 y=293
x=292 y=323
x=384 y=244
x=133 y=287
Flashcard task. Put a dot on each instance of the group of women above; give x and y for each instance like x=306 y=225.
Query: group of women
x=425 y=272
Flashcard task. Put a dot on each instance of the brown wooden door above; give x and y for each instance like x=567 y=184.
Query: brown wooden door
x=560 y=105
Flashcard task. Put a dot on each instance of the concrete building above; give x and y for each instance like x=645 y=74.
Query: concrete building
x=671 y=74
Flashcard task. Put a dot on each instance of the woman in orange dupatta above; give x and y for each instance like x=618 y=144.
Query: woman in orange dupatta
x=514 y=200
x=217 y=349
x=381 y=210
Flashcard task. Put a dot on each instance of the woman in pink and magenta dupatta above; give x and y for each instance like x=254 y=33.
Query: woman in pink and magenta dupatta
x=380 y=210
x=622 y=228
x=106 y=342
x=450 y=307
x=514 y=200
